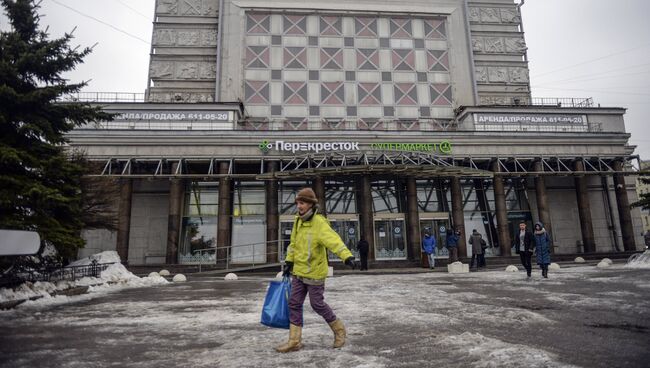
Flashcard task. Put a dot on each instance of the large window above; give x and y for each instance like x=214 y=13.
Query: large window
x=388 y=196
x=287 y=200
x=433 y=195
x=199 y=226
x=248 y=223
x=340 y=196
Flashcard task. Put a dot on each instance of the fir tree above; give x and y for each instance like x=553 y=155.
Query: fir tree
x=644 y=198
x=40 y=183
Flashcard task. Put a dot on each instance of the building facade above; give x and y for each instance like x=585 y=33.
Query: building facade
x=402 y=117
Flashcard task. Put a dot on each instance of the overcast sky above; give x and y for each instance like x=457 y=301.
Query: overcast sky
x=576 y=48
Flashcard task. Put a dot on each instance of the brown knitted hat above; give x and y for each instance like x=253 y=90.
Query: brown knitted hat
x=307 y=195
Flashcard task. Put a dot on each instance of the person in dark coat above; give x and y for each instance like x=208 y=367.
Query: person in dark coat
x=452 y=245
x=477 y=250
x=542 y=248
x=523 y=243
x=363 y=246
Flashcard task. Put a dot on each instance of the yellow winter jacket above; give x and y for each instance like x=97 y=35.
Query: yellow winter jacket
x=308 y=247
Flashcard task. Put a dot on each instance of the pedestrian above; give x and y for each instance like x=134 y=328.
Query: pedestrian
x=363 y=246
x=429 y=248
x=646 y=239
x=523 y=243
x=477 y=249
x=311 y=238
x=542 y=248
x=452 y=245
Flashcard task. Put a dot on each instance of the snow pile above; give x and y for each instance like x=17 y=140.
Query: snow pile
x=603 y=264
x=230 y=277
x=639 y=260
x=164 y=273
x=512 y=268
x=607 y=260
x=115 y=276
x=154 y=274
x=579 y=260
x=554 y=266
x=179 y=278
x=458 y=267
x=109 y=256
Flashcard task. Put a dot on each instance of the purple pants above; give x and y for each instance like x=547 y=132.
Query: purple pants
x=299 y=291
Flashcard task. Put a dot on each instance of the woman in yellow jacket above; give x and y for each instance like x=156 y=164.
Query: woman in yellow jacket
x=306 y=259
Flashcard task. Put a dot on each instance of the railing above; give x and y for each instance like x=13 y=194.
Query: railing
x=562 y=101
x=223 y=255
x=56 y=273
x=102 y=97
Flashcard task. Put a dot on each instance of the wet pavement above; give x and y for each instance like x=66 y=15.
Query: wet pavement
x=580 y=316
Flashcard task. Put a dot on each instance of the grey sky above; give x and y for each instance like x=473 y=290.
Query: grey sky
x=576 y=48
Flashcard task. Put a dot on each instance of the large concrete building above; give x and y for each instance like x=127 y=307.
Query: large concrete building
x=401 y=115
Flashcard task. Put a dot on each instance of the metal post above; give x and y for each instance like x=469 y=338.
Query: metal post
x=176 y=191
x=225 y=204
x=623 y=205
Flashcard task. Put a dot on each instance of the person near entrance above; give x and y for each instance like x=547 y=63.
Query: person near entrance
x=363 y=246
x=646 y=239
x=429 y=248
x=311 y=238
x=523 y=243
x=542 y=248
x=452 y=245
x=476 y=240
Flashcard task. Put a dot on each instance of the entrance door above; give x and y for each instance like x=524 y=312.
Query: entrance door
x=439 y=229
x=286 y=225
x=348 y=229
x=390 y=238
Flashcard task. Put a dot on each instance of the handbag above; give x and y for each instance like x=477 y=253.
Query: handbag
x=275 y=312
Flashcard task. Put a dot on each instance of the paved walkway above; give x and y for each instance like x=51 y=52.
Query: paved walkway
x=580 y=316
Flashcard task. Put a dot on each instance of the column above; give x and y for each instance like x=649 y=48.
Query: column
x=223 y=219
x=176 y=191
x=500 y=208
x=584 y=209
x=124 y=219
x=319 y=190
x=412 y=221
x=623 y=204
x=457 y=215
x=543 y=212
x=272 y=216
x=366 y=213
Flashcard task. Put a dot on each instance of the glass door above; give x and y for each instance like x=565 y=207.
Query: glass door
x=348 y=229
x=438 y=228
x=390 y=238
x=286 y=225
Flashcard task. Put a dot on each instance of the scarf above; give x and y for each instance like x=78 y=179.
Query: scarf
x=309 y=214
x=539 y=232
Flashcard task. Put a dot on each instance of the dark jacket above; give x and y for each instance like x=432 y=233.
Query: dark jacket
x=528 y=241
x=452 y=240
x=363 y=246
x=542 y=246
x=475 y=240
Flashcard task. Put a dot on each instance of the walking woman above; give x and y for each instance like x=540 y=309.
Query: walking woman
x=542 y=248
x=306 y=259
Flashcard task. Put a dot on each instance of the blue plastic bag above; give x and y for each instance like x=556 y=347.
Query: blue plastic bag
x=275 y=312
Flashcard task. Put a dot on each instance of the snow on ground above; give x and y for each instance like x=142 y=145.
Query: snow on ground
x=415 y=320
x=115 y=277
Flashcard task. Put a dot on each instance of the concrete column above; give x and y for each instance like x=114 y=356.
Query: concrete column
x=272 y=215
x=223 y=219
x=543 y=212
x=319 y=189
x=623 y=204
x=584 y=210
x=176 y=191
x=500 y=209
x=412 y=220
x=457 y=215
x=366 y=213
x=124 y=219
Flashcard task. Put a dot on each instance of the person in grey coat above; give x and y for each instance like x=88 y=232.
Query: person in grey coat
x=542 y=248
x=477 y=249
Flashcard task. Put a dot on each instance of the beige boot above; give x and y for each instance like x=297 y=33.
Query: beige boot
x=339 y=333
x=294 y=344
